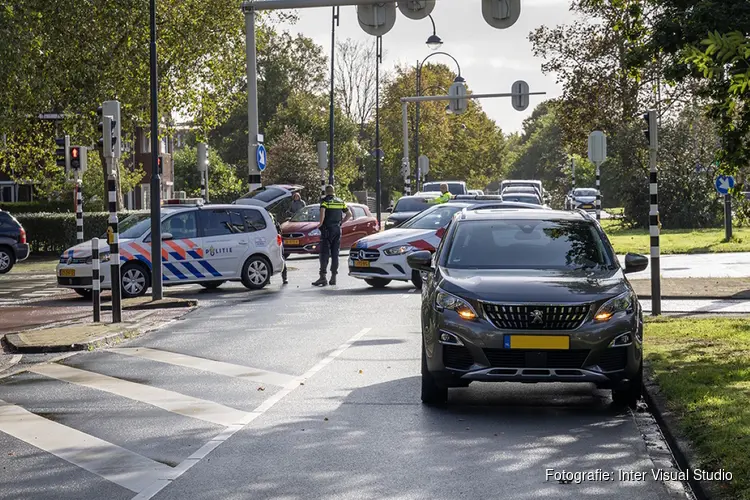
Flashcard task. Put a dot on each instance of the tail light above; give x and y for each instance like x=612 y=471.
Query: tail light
x=278 y=239
x=22 y=237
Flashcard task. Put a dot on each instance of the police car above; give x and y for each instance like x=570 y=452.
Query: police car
x=207 y=245
x=381 y=258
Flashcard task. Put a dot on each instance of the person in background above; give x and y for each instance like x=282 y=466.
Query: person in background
x=297 y=204
x=333 y=213
x=284 y=281
x=445 y=195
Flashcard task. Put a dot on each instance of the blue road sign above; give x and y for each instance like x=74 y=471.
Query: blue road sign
x=260 y=157
x=724 y=183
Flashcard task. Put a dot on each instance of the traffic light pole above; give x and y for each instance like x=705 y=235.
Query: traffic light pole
x=156 y=274
x=113 y=237
x=79 y=208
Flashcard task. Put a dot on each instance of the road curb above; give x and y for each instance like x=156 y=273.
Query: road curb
x=120 y=332
x=147 y=304
x=692 y=297
x=681 y=447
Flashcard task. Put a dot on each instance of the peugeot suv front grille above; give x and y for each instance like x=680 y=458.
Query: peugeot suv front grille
x=536 y=316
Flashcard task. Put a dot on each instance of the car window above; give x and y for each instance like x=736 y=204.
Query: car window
x=584 y=192
x=252 y=220
x=430 y=187
x=310 y=213
x=219 y=222
x=358 y=212
x=281 y=208
x=265 y=194
x=133 y=226
x=456 y=188
x=519 y=198
x=411 y=205
x=6 y=220
x=527 y=244
x=181 y=225
x=435 y=218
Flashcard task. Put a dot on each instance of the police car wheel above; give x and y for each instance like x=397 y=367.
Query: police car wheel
x=256 y=273
x=135 y=280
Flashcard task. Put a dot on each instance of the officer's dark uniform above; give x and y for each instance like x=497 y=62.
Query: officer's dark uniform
x=283 y=270
x=330 y=236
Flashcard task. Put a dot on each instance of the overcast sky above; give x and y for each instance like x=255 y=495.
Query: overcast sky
x=491 y=59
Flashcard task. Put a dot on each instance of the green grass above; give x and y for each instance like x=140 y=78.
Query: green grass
x=676 y=240
x=703 y=369
x=36 y=264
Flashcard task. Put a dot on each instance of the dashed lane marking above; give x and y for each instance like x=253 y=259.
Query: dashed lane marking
x=207 y=365
x=113 y=463
x=161 y=398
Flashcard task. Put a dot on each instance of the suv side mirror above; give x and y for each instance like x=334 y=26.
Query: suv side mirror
x=635 y=263
x=421 y=261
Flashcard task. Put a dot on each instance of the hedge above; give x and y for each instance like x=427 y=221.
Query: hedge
x=55 y=232
x=44 y=206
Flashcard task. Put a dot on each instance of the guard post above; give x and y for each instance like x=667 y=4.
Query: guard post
x=113 y=235
x=653 y=214
x=79 y=210
x=96 y=280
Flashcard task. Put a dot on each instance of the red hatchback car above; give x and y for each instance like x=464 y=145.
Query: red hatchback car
x=301 y=234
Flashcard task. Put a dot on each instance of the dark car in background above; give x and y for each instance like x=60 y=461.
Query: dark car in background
x=407 y=207
x=275 y=198
x=13 y=245
x=529 y=296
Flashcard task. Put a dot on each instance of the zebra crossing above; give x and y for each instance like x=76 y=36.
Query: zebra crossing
x=105 y=379
x=13 y=291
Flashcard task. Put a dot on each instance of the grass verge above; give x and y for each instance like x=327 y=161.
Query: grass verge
x=720 y=288
x=703 y=369
x=673 y=241
x=36 y=264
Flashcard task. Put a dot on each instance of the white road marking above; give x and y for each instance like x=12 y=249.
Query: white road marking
x=161 y=398
x=207 y=365
x=113 y=463
x=196 y=457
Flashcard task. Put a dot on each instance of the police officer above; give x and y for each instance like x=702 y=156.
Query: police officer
x=283 y=270
x=445 y=195
x=333 y=213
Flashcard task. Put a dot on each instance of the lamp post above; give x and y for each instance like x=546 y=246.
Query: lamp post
x=156 y=288
x=378 y=186
x=334 y=23
x=420 y=65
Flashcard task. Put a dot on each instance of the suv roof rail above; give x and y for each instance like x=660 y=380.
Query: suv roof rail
x=583 y=212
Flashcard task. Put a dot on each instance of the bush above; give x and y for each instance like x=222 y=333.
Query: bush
x=55 y=232
x=61 y=206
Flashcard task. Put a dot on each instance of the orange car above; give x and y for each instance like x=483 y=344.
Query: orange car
x=302 y=236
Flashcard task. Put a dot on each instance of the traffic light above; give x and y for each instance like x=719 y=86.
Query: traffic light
x=63 y=152
x=78 y=158
x=457 y=89
x=650 y=131
x=160 y=165
x=109 y=126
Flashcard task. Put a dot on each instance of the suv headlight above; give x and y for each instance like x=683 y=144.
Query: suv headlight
x=399 y=250
x=314 y=232
x=621 y=303
x=445 y=300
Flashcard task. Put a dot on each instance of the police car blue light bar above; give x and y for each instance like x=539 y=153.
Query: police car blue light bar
x=183 y=201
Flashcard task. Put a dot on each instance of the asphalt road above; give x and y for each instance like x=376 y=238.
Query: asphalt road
x=297 y=393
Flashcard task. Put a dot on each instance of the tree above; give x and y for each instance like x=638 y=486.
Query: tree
x=355 y=80
x=224 y=185
x=294 y=162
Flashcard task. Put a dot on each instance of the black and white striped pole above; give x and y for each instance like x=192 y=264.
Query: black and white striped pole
x=653 y=214
x=79 y=210
x=203 y=169
x=113 y=234
x=573 y=170
x=96 y=280
x=405 y=170
x=597 y=155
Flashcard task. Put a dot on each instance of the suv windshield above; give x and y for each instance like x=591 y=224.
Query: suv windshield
x=527 y=244
x=134 y=226
x=307 y=214
x=411 y=205
x=436 y=218
x=265 y=194
x=453 y=187
x=584 y=192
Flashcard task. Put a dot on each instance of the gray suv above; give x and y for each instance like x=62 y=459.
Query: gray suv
x=529 y=296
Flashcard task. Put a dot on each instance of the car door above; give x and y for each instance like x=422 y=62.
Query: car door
x=262 y=236
x=224 y=239
x=181 y=249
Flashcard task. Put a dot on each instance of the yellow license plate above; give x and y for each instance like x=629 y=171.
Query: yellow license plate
x=291 y=242
x=587 y=206
x=539 y=342
x=361 y=263
x=67 y=273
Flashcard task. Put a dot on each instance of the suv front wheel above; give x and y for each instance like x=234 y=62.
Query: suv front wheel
x=432 y=392
x=632 y=394
x=256 y=273
x=135 y=280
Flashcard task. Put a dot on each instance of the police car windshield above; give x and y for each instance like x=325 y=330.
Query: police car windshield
x=434 y=218
x=307 y=214
x=584 y=192
x=134 y=226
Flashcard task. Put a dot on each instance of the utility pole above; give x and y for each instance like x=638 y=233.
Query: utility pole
x=334 y=23
x=378 y=185
x=156 y=284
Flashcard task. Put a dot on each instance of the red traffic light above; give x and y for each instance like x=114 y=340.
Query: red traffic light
x=74 y=153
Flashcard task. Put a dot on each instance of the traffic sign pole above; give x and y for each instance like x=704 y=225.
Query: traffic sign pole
x=598 y=193
x=728 y=216
x=405 y=162
x=653 y=216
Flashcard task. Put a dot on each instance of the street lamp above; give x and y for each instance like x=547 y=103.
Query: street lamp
x=434 y=42
x=459 y=78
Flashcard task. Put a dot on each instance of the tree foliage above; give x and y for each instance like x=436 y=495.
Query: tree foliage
x=224 y=185
x=295 y=162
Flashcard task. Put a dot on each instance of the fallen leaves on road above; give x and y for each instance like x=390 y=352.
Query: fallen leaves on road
x=361 y=371
x=261 y=388
x=326 y=419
